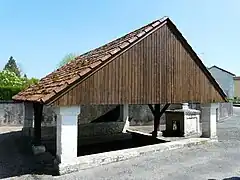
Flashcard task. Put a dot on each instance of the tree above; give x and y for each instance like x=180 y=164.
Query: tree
x=9 y=78
x=12 y=67
x=29 y=82
x=69 y=57
x=11 y=84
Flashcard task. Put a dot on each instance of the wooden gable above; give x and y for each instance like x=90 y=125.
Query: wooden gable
x=159 y=68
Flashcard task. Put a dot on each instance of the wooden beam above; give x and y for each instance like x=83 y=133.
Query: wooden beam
x=157 y=117
x=164 y=109
x=151 y=108
x=38 y=109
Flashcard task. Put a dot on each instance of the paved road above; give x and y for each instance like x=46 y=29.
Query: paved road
x=218 y=161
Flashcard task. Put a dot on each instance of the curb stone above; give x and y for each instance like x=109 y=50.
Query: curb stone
x=95 y=160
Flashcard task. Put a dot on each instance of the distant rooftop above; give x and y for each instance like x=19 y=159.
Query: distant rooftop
x=221 y=70
x=236 y=78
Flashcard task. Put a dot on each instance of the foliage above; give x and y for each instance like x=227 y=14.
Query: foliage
x=69 y=57
x=7 y=92
x=11 y=84
x=29 y=82
x=8 y=78
x=12 y=67
x=235 y=100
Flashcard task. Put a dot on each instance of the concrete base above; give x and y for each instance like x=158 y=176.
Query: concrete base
x=38 y=149
x=94 y=160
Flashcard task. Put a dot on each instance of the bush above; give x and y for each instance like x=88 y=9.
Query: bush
x=11 y=84
x=235 y=100
x=7 y=92
x=8 y=79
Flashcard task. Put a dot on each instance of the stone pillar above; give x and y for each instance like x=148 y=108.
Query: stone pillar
x=28 y=119
x=67 y=132
x=209 y=120
x=124 y=116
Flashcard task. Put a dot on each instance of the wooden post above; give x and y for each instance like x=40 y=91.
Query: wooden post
x=157 y=115
x=156 y=118
x=38 y=109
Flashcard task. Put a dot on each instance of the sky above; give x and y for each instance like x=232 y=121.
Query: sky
x=38 y=34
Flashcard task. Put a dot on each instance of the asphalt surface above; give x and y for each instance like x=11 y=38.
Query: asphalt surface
x=209 y=161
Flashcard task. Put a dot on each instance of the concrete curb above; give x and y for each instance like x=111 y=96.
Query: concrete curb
x=90 y=161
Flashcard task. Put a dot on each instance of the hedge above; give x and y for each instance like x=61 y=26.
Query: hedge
x=7 y=92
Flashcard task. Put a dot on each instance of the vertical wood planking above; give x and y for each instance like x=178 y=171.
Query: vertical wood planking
x=156 y=70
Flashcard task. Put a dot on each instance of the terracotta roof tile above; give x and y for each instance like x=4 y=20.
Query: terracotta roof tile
x=48 y=96
x=156 y=23
x=34 y=97
x=63 y=77
x=104 y=58
x=141 y=34
x=95 y=64
x=124 y=44
x=85 y=71
x=73 y=79
x=132 y=39
x=148 y=29
x=60 y=88
x=114 y=51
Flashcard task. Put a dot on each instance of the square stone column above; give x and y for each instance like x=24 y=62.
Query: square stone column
x=209 y=120
x=28 y=122
x=67 y=132
x=124 y=116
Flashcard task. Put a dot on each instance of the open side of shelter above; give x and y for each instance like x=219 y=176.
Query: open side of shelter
x=153 y=65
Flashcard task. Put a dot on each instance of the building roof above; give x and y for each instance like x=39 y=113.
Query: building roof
x=236 y=78
x=56 y=83
x=221 y=70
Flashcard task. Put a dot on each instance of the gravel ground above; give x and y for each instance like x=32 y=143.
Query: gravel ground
x=210 y=161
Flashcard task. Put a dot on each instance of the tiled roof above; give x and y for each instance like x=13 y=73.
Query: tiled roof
x=58 y=81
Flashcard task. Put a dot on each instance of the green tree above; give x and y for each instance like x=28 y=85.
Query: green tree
x=29 y=82
x=11 y=84
x=69 y=57
x=12 y=67
x=9 y=78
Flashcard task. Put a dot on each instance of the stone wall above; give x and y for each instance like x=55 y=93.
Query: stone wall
x=142 y=115
x=13 y=113
x=86 y=130
x=225 y=110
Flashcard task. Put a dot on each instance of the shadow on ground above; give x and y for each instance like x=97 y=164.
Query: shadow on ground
x=231 y=178
x=16 y=157
x=137 y=140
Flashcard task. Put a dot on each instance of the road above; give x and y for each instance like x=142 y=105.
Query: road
x=210 y=161
x=218 y=161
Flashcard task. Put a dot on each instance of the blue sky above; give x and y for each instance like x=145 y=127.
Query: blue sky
x=38 y=34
